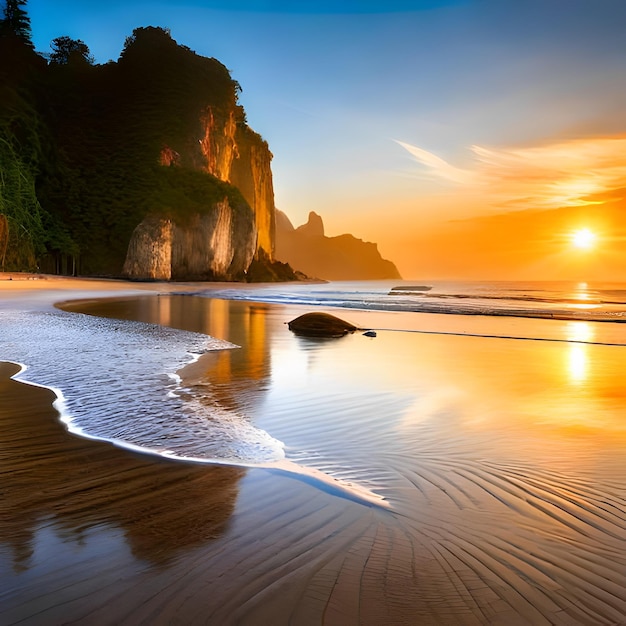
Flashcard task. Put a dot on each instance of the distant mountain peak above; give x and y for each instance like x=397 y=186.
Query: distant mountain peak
x=314 y=226
x=345 y=257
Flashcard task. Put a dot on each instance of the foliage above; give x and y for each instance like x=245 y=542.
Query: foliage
x=23 y=233
x=16 y=22
x=67 y=50
x=151 y=35
x=180 y=193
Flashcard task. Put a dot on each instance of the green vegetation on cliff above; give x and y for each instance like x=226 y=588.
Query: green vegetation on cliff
x=22 y=236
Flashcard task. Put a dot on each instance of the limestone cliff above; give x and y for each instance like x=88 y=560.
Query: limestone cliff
x=216 y=242
x=150 y=250
x=208 y=134
x=237 y=155
x=215 y=245
x=345 y=257
x=252 y=175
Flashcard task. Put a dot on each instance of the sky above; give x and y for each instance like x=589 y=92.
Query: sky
x=467 y=138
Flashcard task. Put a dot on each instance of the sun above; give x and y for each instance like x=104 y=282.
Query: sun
x=583 y=238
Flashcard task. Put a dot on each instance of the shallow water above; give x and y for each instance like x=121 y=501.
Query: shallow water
x=502 y=460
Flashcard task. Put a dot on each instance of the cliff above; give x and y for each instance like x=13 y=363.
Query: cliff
x=345 y=257
x=144 y=167
x=212 y=246
x=216 y=242
x=235 y=154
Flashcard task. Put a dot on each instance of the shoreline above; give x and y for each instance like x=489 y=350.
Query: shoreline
x=123 y=290
x=496 y=457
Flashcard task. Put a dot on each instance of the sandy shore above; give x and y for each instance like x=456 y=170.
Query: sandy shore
x=502 y=463
x=37 y=287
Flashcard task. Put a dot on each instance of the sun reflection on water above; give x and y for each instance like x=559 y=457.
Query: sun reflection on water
x=579 y=333
x=577 y=363
x=584 y=298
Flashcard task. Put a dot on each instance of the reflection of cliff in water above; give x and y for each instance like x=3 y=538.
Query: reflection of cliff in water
x=237 y=376
x=65 y=484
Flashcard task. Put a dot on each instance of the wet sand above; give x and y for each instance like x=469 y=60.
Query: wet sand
x=502 y=463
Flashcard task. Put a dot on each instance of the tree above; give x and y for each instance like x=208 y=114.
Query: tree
x=22 y=239
x=67 y=50
x=4 y=239
x=153 y=34
x=16 y=22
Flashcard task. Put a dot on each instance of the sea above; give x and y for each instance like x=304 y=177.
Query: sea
x=601 y=302
x=471 y=454
x=116 y=364
x=588 y=312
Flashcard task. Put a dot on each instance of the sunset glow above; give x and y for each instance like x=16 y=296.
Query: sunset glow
x=583 y=239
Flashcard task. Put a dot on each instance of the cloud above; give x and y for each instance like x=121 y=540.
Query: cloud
x=437 y=165
x=563 y=174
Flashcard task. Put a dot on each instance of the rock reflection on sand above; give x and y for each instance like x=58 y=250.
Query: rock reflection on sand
x=503 y=472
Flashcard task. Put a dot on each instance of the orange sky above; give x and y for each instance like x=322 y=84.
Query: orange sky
x=510 y=213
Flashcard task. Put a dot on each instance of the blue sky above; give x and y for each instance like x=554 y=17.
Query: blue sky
x=367 y=105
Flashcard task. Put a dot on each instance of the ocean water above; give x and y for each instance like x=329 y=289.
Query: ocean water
x=604 y=302
x=117 y=382
x=120 y=379
x=483 y=451
x=240 y=338
x=541 y=311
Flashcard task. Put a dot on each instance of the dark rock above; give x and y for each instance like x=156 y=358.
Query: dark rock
x=320 y=325
x=265 y=270
x=411 y=288
x=369 y=333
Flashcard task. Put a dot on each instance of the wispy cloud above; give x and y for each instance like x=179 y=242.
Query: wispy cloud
x=437 y=166
x=571 y=173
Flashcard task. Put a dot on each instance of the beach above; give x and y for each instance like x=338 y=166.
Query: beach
x=429 y=477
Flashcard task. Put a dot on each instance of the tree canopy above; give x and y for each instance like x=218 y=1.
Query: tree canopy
x=16 y=22
x=22 y=236
x=67 y=50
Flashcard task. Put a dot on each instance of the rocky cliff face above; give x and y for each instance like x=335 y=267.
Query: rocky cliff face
x=345 y=257
x=314 y=227
x=252 y=175
x=217 y=245
x=150 y=250
x=217 y=142
x=237 y=155
x=203 y=130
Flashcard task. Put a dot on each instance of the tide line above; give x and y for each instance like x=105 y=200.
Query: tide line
x=486 y=336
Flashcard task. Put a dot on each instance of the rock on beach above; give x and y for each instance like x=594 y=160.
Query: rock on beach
x=320 y=325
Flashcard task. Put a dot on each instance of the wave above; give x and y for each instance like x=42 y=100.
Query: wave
x=562 y=303
x=548 y=298
x=121 y=386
